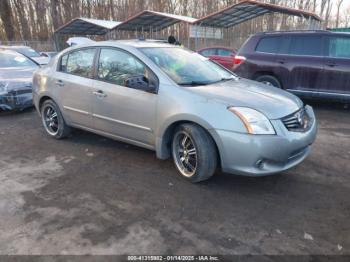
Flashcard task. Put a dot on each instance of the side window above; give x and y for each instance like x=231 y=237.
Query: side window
x=224 y=52
x=339 y=47
x=269 y=45
x=208 y=52
x=79 y=62
x=117 y=66
x=306 y=45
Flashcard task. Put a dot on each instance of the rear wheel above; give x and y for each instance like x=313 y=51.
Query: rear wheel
x=53 y=121
x=194 y=153
x=269 y=80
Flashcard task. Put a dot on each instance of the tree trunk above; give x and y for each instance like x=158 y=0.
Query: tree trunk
x=7 y=19
x=21 y=13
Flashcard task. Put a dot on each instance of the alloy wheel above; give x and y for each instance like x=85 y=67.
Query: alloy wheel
x=50 y=120
x=185 y=154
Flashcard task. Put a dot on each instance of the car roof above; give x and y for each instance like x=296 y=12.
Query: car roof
x=306 y=32
x=124 y=44
x=14 y=46
x=10 y=52
x=216 y=47
x=137 y=43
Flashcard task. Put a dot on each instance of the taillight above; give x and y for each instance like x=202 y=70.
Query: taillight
x=239 y=60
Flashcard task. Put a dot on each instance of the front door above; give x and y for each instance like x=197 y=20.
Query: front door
x=119 y=110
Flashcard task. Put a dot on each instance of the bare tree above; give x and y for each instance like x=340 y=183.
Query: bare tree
x=7 y=19
x=37 y=19
x=339 y=4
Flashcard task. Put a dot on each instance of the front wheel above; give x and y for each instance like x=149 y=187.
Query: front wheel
x=194 y=153
x=53 y=121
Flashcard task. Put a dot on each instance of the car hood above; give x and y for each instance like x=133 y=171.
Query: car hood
x=16 y=78
x=41 y=60
x=273 y=102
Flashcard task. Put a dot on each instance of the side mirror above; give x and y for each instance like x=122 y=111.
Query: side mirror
x=141 y=82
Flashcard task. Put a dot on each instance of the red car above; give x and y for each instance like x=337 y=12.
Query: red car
x=222 y=55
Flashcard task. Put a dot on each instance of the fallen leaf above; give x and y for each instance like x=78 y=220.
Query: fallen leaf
x=308 y=236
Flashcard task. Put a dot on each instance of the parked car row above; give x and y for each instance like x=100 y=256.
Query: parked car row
x=222 y=55
x=28 y=52
x=177 y=103
x=16 y=72
x=310 y=64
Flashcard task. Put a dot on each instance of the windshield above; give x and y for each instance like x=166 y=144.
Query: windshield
x=14 y=60
x=186 y=67
x=28 y=52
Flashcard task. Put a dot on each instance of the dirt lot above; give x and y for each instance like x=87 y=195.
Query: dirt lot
x=91 y=195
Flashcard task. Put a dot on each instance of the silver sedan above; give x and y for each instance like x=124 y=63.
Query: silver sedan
x=177 y=103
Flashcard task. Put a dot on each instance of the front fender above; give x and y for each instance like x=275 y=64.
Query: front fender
x=165 y=131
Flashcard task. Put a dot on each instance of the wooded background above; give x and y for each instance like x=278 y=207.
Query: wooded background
x=28 y=20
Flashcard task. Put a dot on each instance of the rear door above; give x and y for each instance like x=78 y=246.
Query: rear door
x=73 y=82
x=337 y=66
x=304 y=63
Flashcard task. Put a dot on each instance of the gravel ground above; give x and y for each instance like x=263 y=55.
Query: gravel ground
x=91 y=195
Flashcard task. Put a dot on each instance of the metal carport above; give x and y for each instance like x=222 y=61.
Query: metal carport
x=86 y=27
x=152 y=22
x=246 y=10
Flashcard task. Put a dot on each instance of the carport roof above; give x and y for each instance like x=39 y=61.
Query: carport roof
x=246 y=10
x=152 y=20
x=87 y=26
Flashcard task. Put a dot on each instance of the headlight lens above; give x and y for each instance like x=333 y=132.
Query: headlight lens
x=3 y=87
x=255 y=122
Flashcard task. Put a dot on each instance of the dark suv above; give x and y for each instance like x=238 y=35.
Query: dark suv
x=306 y=63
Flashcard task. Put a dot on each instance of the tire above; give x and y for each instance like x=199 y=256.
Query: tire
x=269 y=80
x=199 y=150
x=53 y=121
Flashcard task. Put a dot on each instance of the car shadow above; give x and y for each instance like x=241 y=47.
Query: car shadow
x=16 y=112
x=327 y=105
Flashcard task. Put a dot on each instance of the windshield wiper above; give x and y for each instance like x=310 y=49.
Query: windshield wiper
x=195 y=83
x=226 y=79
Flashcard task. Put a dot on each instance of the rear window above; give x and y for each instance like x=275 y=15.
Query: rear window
x=224 y=52
x=269 y=45
x=14 y=60
x=306 y=45
x=208 y=52
x=339 y=47
x=28 y=52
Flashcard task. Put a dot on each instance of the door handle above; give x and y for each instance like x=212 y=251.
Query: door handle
x=331 y=64
x=282 y=62
x=59 y=83
x=99 y=93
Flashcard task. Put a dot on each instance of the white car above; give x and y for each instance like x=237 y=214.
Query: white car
x=28 y=52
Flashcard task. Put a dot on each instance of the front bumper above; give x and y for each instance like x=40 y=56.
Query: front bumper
x=260 y=155
x=16 y=100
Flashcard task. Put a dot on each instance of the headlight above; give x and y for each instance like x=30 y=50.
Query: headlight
x=254 y=121
x=3 y=88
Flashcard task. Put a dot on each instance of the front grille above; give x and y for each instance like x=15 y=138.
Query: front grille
x=298 y=121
